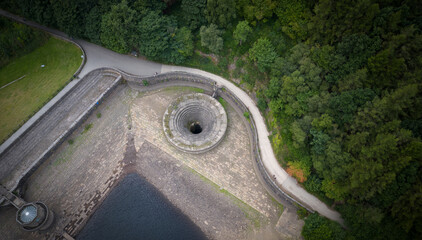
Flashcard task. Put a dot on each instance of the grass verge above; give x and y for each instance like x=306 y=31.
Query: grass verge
x=23 y=98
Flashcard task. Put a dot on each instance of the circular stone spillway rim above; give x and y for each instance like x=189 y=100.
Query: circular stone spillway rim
x=195 y=123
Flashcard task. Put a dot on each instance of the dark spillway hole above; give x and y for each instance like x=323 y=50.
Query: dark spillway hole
x=195 y=128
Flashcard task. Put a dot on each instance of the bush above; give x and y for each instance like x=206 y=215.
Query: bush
x=87 y=127
x=246 y=114
x=247 y=79
x=302 y=213
x=240 y=63
x=262 y=104
x=320 y=228
x=313 y=184
x=99 y=115
x=223 y=63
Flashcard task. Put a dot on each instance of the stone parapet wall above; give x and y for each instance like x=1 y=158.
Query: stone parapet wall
x=75 y=124
x=166 y=79
x=227 y=95
x=16 y=182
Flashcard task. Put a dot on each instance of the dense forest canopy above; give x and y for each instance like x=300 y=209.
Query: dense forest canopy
x=340 y=83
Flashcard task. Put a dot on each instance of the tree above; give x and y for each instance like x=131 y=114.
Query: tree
x=319 y=228
x=385 y=69
x=70 y=15
x=242 y=32
x=336 y=19
x=181 y=46
x=220 y=12
x=211 y=38
x=346 y=104
x=408 y=208
x=193 y=13
x=143 y=7
x=253 y=10
x=263 y=54
x=93 y=25
x=184 y=40
x=294 y=17
x=157 y=35
x=117 y=27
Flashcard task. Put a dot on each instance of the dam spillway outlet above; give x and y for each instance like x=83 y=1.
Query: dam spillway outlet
x=195 y=123
x=195 y=128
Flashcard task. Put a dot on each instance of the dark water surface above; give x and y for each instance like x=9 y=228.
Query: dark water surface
x=134 y=209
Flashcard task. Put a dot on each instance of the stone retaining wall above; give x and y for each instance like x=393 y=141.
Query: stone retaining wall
x=47 y=153
x=227 y=95
x=148 y=82
x=19 y=181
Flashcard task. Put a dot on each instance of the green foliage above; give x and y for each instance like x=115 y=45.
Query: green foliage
x=263 y=54
x=193 y=13
x=71 y=13
x=242 y=31
x=220 y=12
x=17 y=39
x=246 y=115
x=117 y=27
x=342 y=80
x=302 y=213
x=93 y=25
x=318 y=228
x=98 y=115
x=385 y=69
x=87 y=128
x=256 y=10
x=313 y=184
x=262 y=104
x=294 y=16
x=183 y=43
x=222 y=102
x=70 y=141
x=346 y=104
x=335 y=19
x=154 y=32
x=39 y=85
x=211 y=38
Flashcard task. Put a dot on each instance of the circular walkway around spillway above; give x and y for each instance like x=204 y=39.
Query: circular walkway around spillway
x=195 y=123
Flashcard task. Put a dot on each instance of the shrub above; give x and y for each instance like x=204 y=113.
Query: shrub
x=262 y=104
x=87 y=127
x=246 y=114
x=320 y=228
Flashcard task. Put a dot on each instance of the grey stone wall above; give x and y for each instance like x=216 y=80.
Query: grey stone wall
x=165 y=79
x=47 y=153
x=226 y=94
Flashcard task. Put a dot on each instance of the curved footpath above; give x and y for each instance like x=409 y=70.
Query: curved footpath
x=97 y=56
x=284 y=180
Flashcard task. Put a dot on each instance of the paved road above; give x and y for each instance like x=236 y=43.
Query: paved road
x=100 y=57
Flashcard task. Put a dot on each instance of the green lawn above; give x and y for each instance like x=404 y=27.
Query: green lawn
x=20 y=100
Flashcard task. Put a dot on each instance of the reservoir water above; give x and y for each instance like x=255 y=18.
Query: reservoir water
x=134 y=209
